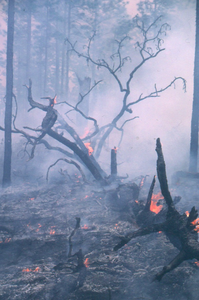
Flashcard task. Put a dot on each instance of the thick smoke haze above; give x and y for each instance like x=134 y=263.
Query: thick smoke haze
x=167 y=117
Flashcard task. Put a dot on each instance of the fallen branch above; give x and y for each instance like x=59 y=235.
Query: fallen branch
x=72 y=162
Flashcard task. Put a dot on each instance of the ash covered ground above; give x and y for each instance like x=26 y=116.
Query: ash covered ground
x=34 y=254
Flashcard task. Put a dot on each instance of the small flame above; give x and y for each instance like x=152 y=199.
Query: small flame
x=187 y=213
x=142 y=182
x=154 y=207
x=52 y=231
x=197 y=263
x=195 y=222
x=90 y=149
x=84 y=227
x=86 y=263
x=55 y=99
x=37 y=269
x=7 y=240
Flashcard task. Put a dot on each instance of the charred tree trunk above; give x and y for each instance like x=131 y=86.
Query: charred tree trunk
x=193 y=164
x=57 y=58
x=46 y=49
x=28 y=46
x=9 y=92
x=67 y=52
x=114 y=161
x=63 y=51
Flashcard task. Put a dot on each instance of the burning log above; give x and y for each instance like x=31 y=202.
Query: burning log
x=181 y=227
x=114 y=161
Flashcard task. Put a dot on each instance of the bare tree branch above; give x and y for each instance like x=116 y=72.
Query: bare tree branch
x=72 y=162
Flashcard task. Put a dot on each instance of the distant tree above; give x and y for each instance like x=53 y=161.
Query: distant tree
x=9 y=95
x=193 y=164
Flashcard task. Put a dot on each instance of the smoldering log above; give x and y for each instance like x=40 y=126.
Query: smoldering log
x=114 y=161
x=182 y=228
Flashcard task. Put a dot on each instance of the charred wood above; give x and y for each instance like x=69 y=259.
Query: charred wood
x=181 y=227
x=114 y=161
x=72 y=234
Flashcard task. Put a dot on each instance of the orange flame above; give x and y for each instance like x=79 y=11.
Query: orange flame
x=55 y=101
x=195 y=222
x=52 y=231
x=37 y=269
x=86 y=263
x=154 y=207
x=90 y=149
x=187 y=213
x=84 y=227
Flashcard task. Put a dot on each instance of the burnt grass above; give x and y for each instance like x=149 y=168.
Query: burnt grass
x=34 y=251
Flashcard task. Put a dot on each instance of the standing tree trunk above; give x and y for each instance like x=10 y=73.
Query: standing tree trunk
x=28 y=46
x=9 y=91
x=46 y=49
x=63 y=51
x=67 y=49
x=57 y=57
x=195 y=110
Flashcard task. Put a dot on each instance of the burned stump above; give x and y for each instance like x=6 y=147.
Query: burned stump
x=181 y=227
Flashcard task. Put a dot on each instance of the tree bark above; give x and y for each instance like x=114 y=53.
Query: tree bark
x=193 y=164
x=83 y=156
x=28 y=46
x=9 y=92
x=67 y=49
x=46 y=49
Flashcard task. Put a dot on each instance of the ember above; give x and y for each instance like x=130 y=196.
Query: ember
x=154 y=200
x=37 y=269
x=39 y=226
x=86 y=263
x=116 y=226
x=52 y=230
x=90 y=149
x=84 y=227
x=196 y=263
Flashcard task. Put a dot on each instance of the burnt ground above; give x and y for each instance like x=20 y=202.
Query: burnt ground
x=34 y=254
